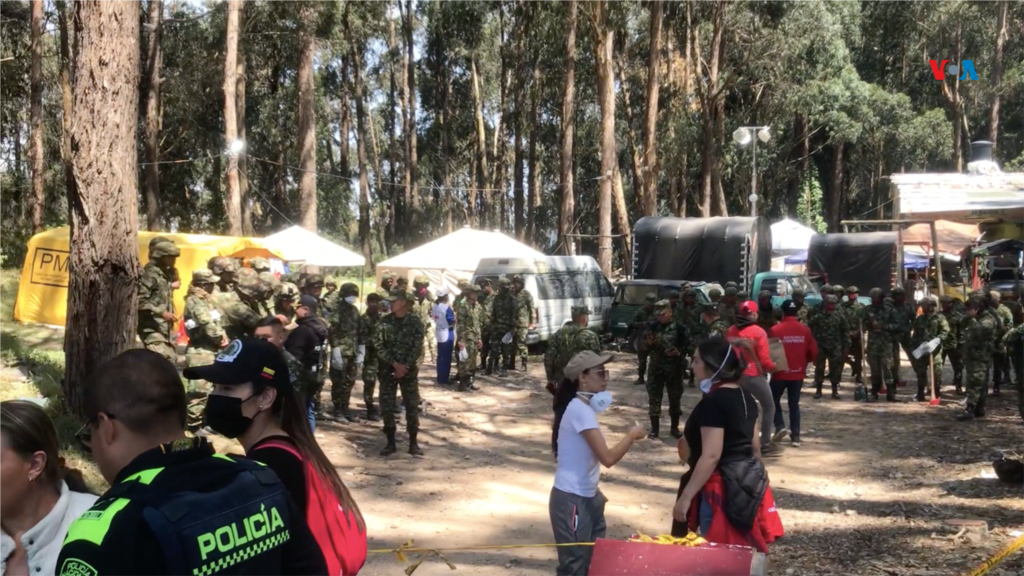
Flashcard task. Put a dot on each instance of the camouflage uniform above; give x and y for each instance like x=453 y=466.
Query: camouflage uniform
x=767 y=315
x=951 y=345
x=237 y=308
x=260 y=264
x=344 y=336
x=468 y=319
x=224 y=268
x=880 y=323
x=284 y=300
x=423 y=306
x=387 y=280
x=270 y=285
x=485 y=302
x=503 y=319
x=826 y=290
x=927 y=326
x=638 y=326
x=399 y=341
x=570 y=340
x=1014 y=342
x=688 y=318
x=832 y=333
x=978 y=340
x=156 y=299
x=524 y=317
x=303 y=381
x=367 y=337
x=729 y=307
x=802 y=309
x=705 y=329
x=666 y=347
x=852 y=310
x=202 y=323
x=1000 y=361
x=905 y=314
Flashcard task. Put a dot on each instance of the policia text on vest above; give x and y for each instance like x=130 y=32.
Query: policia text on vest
x=182 y=509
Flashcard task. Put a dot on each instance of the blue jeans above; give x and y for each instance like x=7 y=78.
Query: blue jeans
x=792 y=390
x=311 y=414
x=444 y=359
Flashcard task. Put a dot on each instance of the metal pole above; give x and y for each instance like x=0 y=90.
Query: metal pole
x=938 y=259
x=753 y=175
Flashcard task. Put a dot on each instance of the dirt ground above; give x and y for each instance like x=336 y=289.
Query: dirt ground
x=870 y=491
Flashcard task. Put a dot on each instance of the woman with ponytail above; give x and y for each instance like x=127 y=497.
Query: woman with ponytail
x=39 y=497
x=725 y=494
x=576 y=505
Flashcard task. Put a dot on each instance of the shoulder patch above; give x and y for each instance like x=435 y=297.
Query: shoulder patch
x=76 y=567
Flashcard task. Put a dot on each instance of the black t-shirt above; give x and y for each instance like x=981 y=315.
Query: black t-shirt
x=732 y=409
x=288 y=468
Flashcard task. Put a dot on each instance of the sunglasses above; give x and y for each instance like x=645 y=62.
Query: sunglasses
x=600 y=372
x=84 y=436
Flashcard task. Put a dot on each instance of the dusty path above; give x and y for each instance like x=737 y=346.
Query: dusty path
x=869 y=492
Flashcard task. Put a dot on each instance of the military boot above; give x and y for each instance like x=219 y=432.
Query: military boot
x=502 y=370
x=920 y=392
x=414 y=447
x=890 y=393
x=391 y=448
x=817 y=390
x=967 y=414
x=675 y=427
x=655 y=425
x=875 y=387
x=343 y=412
x=489 y=370
x=835 y=392
x=372 y=413
x=523 y=364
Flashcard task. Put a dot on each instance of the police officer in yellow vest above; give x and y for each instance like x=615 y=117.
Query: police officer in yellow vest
x=175 y=506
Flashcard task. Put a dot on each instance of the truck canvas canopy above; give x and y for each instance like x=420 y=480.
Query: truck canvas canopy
x=716 y=249
x=863 y=259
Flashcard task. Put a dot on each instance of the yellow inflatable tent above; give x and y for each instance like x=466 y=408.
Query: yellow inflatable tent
x=43 y=291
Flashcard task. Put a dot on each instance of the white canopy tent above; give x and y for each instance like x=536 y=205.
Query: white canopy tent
x=300 y=246
x=455 y=256
x=789 y=236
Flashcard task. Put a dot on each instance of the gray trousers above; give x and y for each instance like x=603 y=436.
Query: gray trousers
x=576 y=519
x=762 y=392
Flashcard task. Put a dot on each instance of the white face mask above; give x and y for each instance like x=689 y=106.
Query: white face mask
x=350 y=299
x=599 y=401
x=705 y=384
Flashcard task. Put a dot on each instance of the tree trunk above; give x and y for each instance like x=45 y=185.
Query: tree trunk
x=519 y=162
x=364 y=183
x=446 y=169
x=499 y=149
x=67 y=96
x=36 y=113
x=481 y=147
x=710 y=96
x=410 y=25
x=407 y=200
x=533 y=184
x=307 y=119
x=243 y=174
x=344 y=122
x=233 y=198
x=798 y=157
x=835 y=185
x=650 y=174
x=566 y=213
x=606 y=99
x=280 y=195
x=622 y=220
x=151 y=140
x=997 y=77
x=103 y=266
x=394 y=210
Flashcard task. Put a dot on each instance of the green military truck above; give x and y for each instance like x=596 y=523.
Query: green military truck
x=630 y=295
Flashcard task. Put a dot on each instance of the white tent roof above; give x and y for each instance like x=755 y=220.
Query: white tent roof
x=297 y=244
x=461 y=251
x=789 y=235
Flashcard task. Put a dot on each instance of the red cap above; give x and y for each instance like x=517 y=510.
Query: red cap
x=748 y=307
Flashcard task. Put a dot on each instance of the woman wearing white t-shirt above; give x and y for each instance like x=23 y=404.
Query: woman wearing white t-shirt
x=576 y=505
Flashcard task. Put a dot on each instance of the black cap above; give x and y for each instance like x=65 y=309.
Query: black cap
x=308 y=301
x=245 y=360
x=789 y=308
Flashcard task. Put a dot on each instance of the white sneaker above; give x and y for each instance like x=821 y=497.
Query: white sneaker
x=779 y=435
x=795 y=443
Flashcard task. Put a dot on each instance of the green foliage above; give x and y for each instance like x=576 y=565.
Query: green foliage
x=810 y=209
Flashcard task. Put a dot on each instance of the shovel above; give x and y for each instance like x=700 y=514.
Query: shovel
x=927 y=348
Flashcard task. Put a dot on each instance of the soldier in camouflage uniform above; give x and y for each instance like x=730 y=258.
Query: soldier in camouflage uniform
x=928 y=326
x=905 y=313
x=951 y=346
x=673 y=300
x=399 y=341
x=238 y=308
x=638 y=326
x=881 y=325
x=344 y=339
x=801 y=307
x=568 y=341
x=284 y=302
x=687 y=318
x=485 y=298
x=729 y=307
x=202 y=322
x=303 y=381
x=367 y=343
x=715 y=295
x=1000 y=361
x=666 y=346
x=503 y=322
x=839 y=292
x=468 y=318
x=1013 y=340
x=260 y=265
x=832 y=333
x=524 y=321
x=978 y=331
x=767 y=315
x=271 y=285
x=851 y=308
x=711 y=324
x=224 y=268
x=156 y=305
x=423 y=306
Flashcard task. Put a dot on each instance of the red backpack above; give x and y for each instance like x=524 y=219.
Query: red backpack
x=335 y=529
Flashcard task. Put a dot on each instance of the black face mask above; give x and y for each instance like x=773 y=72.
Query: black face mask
x=224 y=415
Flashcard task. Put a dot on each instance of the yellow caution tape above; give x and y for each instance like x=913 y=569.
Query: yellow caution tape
x=691 y=539
x=999 y=557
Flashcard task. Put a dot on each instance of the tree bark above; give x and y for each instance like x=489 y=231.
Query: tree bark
x=36 y=115
x=410 y=25
x=151 y=140
x=711 y=96
x=835 y=185
x=395 y=213
x=446 y=169
x=104 y=251
x=481 y=148
x=650 y=174
x=233 y=198
x=307 y=119
x=997 y=76
x=622 y=219
x=606 y=99
x=533 y=184
x=407 y=200
x=519 y=162
x=364 y=183
x=344 y=122
x=566 y=213
x=243 y=174
x=67 y=96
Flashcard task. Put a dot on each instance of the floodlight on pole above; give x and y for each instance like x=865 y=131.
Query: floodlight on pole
x=236 y=147
x=764 y=134
x=742 y=136
x=745 y=135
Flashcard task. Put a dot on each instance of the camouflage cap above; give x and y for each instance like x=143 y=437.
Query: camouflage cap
x=731 y=284
x=826 y=289
x=269 y=281
x=517 y=278
x=259 y=264
x=231 y=265
x=898 y=291
x=853 y=290
x=421 y=279
x=764 y=294
x=830 y=299
x=332 y=281
x=577 y=310
x=743 y=295
x=503 y=281
x=730 y=292
x=287 y=291
x=838 y=289
x=462 y=284
x=249 y=285
x=388 y=275
x=662 y=305
x=673 y=294
x=161 y=249
x=976 y=301
x=204 y=276
x=651 y=298
x=483 y=282
x=689 y=293
x=349 y=289
x=158 y=240
x=929 y=300
x=313 y=280
x=473 y=288
x=714 y=293
x=400 y=294
x=247 y=273
x=876 y=293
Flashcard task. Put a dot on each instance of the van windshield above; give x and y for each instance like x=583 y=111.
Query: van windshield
x=635 y=295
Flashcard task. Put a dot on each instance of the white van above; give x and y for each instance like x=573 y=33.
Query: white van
x=557 y=283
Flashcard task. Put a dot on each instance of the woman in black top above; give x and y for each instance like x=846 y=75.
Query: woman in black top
x=722 y=449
